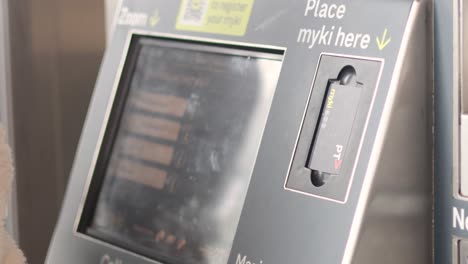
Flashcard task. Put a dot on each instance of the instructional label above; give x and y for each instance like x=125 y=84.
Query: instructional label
x=334 y=35
x=460 y=220
x=228 y=17
x=128 y=17
x=242 y=259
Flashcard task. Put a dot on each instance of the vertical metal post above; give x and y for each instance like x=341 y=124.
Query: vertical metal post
x=56 y=47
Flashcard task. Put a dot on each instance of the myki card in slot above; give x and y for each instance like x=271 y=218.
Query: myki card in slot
x=335 y=127
x=154 y=127
x=160 y=103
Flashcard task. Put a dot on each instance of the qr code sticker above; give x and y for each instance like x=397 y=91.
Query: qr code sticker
x=193 y=12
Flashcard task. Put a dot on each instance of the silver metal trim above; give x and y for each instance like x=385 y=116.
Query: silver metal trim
x=463 y=150
x=459 y=114
x=463 y=35
x=6 y=111
x=207 y=40
x=5 y=74
x=458 y=52
x=455 y=249
x=380 y=137
x=382 y=61
x=110 y=103
x=4 y=41
x=213 y=49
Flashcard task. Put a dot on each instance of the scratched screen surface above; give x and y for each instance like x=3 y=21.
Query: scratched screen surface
x=184 y=151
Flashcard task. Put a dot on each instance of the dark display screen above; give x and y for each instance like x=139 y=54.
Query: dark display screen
x=186 y=128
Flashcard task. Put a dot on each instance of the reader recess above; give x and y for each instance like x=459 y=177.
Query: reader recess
x=333 y=126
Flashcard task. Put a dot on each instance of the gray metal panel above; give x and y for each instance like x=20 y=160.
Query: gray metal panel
x=400 y=202
x=451 y=201
x=276 y=226
x=3 y=65
x=446 y=77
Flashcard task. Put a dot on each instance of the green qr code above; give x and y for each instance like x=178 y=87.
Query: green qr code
x=194 y=12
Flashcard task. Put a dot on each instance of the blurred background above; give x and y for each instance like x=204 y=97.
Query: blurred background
x=50 y=52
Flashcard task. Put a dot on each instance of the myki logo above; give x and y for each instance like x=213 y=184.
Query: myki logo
x=106 y=259
x=337 y=156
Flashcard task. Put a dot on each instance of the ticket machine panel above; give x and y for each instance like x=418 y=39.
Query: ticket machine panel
x=256 y=131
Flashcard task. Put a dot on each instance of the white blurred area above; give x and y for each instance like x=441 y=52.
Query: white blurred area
x=111 y=7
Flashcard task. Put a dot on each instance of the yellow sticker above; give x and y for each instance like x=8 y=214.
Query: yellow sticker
x=228 y=17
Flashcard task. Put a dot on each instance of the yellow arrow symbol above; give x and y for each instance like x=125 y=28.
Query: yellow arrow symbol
x=155 y=18
x=382 y=43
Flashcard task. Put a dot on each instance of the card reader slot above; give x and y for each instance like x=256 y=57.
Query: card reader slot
x=333 y=127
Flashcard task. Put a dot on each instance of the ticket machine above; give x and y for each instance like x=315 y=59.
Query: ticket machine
x=256 y=131
x=451 y=132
